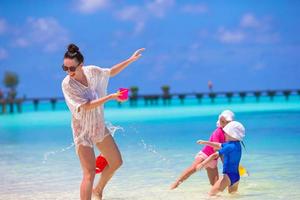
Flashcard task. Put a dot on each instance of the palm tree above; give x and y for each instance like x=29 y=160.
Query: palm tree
x=166 y=94
x=181 y=97
x=3 y=105
x=2 y=102
x=147 y=99
x=257 y=94
x=36 y=104
x=53 y=103
x=199 y=96
x=287 y=93
x=1 y=94
x=134 y=95
x=212 y=96
x=134 y=91
x=166 y=90
x=11 y=81
x=19 y=102
x=271 y=94
x=229 y=95
x=243 y=95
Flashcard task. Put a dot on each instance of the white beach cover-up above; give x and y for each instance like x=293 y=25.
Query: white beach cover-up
x=88 y=126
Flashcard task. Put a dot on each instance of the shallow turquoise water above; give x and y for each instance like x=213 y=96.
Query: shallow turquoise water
x=157 y=144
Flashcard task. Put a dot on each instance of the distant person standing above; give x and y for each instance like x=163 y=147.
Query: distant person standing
x=210 y=86
x=84 y=90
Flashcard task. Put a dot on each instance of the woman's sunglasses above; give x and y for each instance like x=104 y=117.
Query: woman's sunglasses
x=71 y=69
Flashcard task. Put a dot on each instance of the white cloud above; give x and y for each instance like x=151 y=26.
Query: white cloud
x=134 y=14
x=250 y=29
x=249 y=21
x=267 y=38
x=259 y=66
x=159 y=7
x=131 y=13
x=3 y=53
x=3 y=26
x=195 y=9
x=44 y=32
x=21 y=42
x=159 y=66
x=91 y=6
x=140 y=14
x=178 y=75
x=139 y=27
x=227 y=36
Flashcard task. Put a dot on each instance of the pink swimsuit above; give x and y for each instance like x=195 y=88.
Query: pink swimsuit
x=216 y=136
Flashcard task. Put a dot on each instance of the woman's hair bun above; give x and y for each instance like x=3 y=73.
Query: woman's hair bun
x=72 y=48
x=74 y=53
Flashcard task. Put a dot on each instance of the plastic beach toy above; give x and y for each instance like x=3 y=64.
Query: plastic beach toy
x=243 y=171
x=101 y=163
x=123 y=93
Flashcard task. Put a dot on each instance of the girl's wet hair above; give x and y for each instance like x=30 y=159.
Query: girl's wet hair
x=74 y=53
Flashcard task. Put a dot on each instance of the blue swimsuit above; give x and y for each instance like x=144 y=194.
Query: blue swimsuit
x=232 y=153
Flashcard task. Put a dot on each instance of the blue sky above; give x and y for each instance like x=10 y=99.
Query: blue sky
x=239 y=45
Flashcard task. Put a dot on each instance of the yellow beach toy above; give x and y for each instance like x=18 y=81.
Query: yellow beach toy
x=243 y=171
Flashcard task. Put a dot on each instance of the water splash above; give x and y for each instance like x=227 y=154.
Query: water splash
x=47 y=154
x=153 y=150
x=112 y=129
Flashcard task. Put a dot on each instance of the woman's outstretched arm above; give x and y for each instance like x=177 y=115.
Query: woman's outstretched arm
x=97 y=102
x=116 y=69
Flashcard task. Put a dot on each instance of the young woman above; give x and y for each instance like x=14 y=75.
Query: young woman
x=84 y=89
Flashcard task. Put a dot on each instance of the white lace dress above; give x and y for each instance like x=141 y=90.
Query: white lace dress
x=88 y=126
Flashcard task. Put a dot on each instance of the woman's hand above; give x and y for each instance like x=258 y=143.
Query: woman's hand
x=137 y=54
x=115 y=96
x=116 y=69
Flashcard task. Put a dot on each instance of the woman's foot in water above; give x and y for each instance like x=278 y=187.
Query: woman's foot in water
x=96 y=195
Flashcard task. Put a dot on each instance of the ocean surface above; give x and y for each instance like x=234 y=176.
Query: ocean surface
x=38 y=161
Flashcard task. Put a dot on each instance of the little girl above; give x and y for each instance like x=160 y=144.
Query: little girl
x=212 y=170
x=231 y=151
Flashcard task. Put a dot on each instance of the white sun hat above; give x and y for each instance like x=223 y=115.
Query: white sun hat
x=235 y=129
x=227 y=114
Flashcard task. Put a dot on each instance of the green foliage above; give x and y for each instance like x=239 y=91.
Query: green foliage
x=134 y=90
x=11 y=80
x=165 y=89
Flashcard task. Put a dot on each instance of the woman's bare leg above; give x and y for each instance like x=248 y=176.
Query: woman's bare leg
x=110 y=151
x=87 y=161
x=213 y=175
x=187 y=173
x=220 y=185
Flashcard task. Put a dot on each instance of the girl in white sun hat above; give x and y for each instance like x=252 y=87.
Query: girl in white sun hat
x=231 y=151
x=212 y=167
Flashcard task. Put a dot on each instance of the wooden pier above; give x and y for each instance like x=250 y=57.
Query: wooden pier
x=8 y=106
